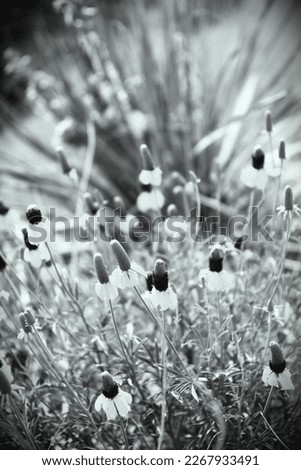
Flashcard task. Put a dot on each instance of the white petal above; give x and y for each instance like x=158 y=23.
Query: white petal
x=227 y=279
x=269 y=377
x=44 y=253
x=203 y=274
x=109 y=408
x=127 y=397
x=145 y=177
x=99 y=402
x=120 y=278
x=285 y=380
x=262 y=180
x=106 y=291
x=144 y=202
x=249 y=176
x=121 y=405
x=158 y=199
x=33 y=257
x=138 y=269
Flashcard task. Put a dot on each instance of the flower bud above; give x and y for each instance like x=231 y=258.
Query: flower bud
x=109 y=387
x=100 y=268
x=258 y=158
x=268 y=121
x=29 y=317
x=64 y=162
x=160 y=276
x=194 y=177
x=148 y=162
x=278 y=363
x=27 y=328
x=282 y=152
x=33 y=214
x=121 y=255
x=288 y=199
x=216 y=260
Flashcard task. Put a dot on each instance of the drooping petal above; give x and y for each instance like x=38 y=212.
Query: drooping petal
x=153 y=177
x=106 y=291
x=33 y=257
x=99 y=402
x=121 y=405
x=121 y=279
x=109 y=408
x=285 y=380
x=138 y=269
x=127 y=397
x=254 y=178
x=269 y=377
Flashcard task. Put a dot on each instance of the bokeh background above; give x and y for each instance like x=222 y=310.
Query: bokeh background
x=192 y=79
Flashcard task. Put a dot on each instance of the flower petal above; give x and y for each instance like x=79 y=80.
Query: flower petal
x=99 y=402
x=285 y=380
x=269 y=377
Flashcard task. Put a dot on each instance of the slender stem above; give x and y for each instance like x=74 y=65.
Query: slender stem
x=267 y=338
x=126 y=442
x=164 y=383
x=220 y=316
x=265 y=409
x=22 y=423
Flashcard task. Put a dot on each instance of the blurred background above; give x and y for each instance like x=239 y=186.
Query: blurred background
x=191 y=78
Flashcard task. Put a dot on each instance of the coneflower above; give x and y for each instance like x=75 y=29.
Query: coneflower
x=126 y=274
x=104 y=289
x=162 y=294
x=216 y=277
x=276 y=374
x=289 y=208
x=150 y=174
x=34 y=254
x=255 y=176
x=112 y=399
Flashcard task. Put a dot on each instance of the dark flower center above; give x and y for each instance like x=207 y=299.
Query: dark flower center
x=277 y=368
x=1 y=364
x=149 y=281
x=34 y=215
x=216 y=264
x=3 y=209
x=111 y=392
x=258 y=159
x=146 y=188
x=2 y=264
x=238 y=243
x=160 y=281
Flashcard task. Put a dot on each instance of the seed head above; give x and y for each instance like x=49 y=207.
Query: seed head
x=101 y=270
x=29 y=317
x=288 y=199
x=147 y=160
x=27 y=328
x=282 y=152
x=33 y=214
x=258 y=158
x=109 y=386
x=278 y=363
x=160 y=276
x=121 y=255
x=268 y=121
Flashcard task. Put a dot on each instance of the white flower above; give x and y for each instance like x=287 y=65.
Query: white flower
x=153 y=177
x=215 y=281
x=106 y=291
x=289 y=208
x=129 y=278
x=166 y=299
x=36 y=256
x=255 y=176
x=150 y=200
x=113 y=400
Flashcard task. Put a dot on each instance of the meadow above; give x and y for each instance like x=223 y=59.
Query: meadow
x=150 y=229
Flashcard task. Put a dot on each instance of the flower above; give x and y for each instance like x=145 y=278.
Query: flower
x=150 y=199
x=103 y=287
x=38 y=225
x=161 y=294
x=289 y=208
x=25 y=329
x=8 y=217
x=112 y=399
x=255 y=176
x=34 y=254
x=276 y=374
x=126 y=275
x=6 y=377
x=150 y=174
x=217 y=278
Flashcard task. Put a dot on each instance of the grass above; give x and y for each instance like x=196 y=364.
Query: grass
x=176 y=77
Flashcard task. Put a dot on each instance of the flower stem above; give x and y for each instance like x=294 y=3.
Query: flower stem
x=220 y=316
x=164 y=383
x=126 y=442
x=265 y=409
x=22 y=423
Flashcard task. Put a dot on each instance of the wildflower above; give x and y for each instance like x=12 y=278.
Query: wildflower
x=25 y=329
x=103 y=287
x=112 y=400
x=276 y=374
x=150 y=174
x=255 y=176
x=8 y=217
x=38 y=225
x=150 y=199
x=6 y=377
x=126 y=274
x=289 y=208
x=161 y=294
x=217 y=278
x=34 y=254
x=282 y=151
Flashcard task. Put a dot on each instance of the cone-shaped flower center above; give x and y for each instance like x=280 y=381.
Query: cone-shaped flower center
x=109 y=386
x=282 y=152
x=216 y=260
x=34 y=215
x=101 y=270
x=3 y=209
x=27 y=328
x=146 y=188
x=160 y=276
x=2 y=264
x=149 y=281
x=278 y=363
x=288 y=199
x=121 y=256
x=258 y=158
x=26 y=241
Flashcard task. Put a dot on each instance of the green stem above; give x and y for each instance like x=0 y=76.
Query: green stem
x=22 y=423
x=164 y=384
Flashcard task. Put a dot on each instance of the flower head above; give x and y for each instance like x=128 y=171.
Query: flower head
x=282 y=151
x=25 y=329
x=150 y=199
x=289 y=208
x=255 y=176
x=217 y=278
x=38 y=225
x=150 y=173
x=161 y=294
x=112 y=399
x=126 y=274
x=103 y=287
x=276 y=374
